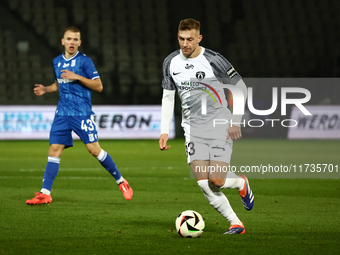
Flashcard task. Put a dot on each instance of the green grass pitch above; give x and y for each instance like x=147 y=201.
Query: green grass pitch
x=89 y=215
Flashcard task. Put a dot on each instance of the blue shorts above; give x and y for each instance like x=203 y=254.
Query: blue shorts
x=83 y=126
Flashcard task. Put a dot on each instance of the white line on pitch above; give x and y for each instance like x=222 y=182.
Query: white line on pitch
x=97 y=169
x=93 y=178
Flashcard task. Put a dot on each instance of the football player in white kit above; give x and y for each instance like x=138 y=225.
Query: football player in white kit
x=196 y=73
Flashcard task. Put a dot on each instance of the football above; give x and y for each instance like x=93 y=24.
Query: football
x=190 y=224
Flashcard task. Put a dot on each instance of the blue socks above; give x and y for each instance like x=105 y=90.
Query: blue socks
x=106 y=160
x=51 y=172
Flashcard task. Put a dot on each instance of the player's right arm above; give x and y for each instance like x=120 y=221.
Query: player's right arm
x=40 y=90
x=162 y=142
x=168 y=102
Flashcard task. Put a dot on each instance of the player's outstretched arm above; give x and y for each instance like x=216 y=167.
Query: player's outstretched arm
x=40 y=90
x=162 y=142
x=91 y=84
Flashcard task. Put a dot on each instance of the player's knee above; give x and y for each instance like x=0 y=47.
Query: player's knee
x=56 y=150
x=94 y=149
x=218 y=182
x=93 y=152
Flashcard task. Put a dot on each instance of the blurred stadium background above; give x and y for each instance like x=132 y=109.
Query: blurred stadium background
x=128 y=41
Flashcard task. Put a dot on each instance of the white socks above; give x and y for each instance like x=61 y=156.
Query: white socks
x=102 y=155
x=233 y=181
x=45 y=191
x=219 y=201
x=120 y=180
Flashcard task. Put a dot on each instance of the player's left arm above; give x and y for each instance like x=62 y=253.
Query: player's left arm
x=95 y=84
x=227 y=74
x=234 y=130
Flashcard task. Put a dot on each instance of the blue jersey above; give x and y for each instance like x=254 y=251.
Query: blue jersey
x=74 y=97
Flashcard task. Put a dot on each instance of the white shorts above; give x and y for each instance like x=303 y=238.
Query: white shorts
x=208 y=149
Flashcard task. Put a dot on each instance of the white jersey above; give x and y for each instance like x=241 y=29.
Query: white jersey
x=196 y=81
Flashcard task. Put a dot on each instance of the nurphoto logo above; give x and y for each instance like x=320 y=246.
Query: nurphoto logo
x=239 y=104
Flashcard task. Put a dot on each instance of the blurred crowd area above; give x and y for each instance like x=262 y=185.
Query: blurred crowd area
x=128 y=41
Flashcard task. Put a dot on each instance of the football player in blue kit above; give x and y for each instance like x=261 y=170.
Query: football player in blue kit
x=75 y=78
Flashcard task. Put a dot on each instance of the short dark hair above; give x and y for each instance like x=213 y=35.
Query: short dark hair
x=72 y=29
x=188 y=24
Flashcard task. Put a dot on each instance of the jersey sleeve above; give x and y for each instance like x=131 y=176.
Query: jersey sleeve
x=90 y=69
x=222 y=68
x=167 y=82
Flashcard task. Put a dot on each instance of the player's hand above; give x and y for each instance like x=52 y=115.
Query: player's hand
x=39 y=90
x=67 y=74
x=162 y=142
x=234 y=132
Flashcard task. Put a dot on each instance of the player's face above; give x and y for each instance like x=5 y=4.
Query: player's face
x=71 y=41
x=189 y=42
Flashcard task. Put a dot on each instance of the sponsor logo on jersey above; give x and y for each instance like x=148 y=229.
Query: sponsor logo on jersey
x=61 y=81
x=176 y=73
x=200 y=75
x=189 y=85
x=189 y=66
x=196 y=85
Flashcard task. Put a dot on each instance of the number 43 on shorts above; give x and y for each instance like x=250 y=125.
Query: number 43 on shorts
x=88 y=126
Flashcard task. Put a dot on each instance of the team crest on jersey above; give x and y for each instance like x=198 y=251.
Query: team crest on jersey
x=187 y=66
x=200 y=75
x=73 y=62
